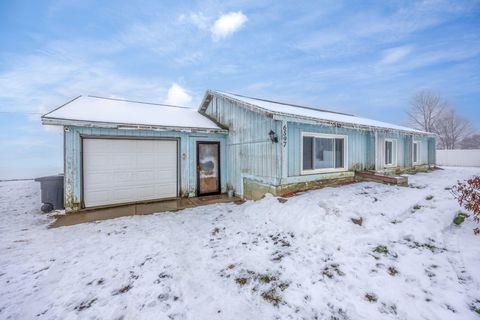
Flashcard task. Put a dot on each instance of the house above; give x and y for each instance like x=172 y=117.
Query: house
x=120 y=151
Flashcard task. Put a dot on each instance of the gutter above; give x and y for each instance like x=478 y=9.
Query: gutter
x=126 y=126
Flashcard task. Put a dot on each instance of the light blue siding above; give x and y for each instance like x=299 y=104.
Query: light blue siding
x=250 y=152
x=358 y=141
x=423 y=141
x=187 y=157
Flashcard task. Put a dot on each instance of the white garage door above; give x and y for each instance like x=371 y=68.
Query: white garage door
x=120 y=171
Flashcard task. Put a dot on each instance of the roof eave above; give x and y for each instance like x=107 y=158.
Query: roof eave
x=249 y=106
x=303 y=119
x=127 y=126
x=296 y=118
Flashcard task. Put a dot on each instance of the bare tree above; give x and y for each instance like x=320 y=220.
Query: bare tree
x=471 y=142
x=426 y=110
x=451 y=129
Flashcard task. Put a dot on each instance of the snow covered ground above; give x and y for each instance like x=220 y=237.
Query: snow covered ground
x=300 y=259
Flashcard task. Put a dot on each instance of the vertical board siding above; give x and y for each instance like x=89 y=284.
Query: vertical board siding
x=187 y=156
x=380 y=151
x=357 y=148
x=249 y=151
x=404 y=149
x=431 y=146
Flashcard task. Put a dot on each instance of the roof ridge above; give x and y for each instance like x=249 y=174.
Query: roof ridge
x=287 y=104
x=141 y=102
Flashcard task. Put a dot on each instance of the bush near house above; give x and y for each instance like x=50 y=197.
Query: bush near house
x=467 y=194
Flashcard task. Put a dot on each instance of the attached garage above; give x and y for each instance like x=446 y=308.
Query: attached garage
x=119 y=171
x=120 y=152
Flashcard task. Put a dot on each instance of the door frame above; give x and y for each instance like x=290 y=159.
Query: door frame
x=197 y=166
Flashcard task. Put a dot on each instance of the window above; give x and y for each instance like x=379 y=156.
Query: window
x=390 y=152
x=323 y=153
x=416 y=152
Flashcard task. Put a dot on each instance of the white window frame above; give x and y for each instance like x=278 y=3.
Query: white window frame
x=394 y=153
x=327 y=136
x=418 y=143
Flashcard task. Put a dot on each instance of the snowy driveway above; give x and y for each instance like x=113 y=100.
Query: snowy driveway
x=302 y=259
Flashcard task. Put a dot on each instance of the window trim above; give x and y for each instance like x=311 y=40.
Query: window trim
x=327 y=136
x=418 y=143
x=394 y=153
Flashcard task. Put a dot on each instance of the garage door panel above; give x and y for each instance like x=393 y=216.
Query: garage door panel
x=121 y=170
x=121 y=160
x=101 y=162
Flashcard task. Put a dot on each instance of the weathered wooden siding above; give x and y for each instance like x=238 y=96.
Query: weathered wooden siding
x=404 y=149
x=187 y=157
x=358 y=145
x=423 y=149
x=408 y=151
x=431 y=146
x=250 y=152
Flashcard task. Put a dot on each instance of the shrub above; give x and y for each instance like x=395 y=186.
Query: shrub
x=467 y=194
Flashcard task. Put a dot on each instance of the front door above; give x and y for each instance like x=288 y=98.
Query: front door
x=208 y=168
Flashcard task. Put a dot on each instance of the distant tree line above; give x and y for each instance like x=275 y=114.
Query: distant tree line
x=432 y=113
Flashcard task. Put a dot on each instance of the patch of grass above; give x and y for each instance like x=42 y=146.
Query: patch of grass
x=85 y=304
x=371 y=297
x=272 y=297
x=460 y=218
x=417 y=207
x=449 y=307
x=265 y=278
x=241 y=281
x=381 y=249
x=283 y=285
x=332 y=269
x=430 y=197
x=122 y=290
x=392 y=271
x=267 y=285
x=475 y=307
x=215 y=231
x=428 y=246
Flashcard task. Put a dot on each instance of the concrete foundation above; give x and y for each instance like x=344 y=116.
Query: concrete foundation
x=255 y=190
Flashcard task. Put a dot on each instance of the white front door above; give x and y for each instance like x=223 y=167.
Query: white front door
x=128 y=170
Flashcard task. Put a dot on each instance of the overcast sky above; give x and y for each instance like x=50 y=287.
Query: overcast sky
x=366 y=58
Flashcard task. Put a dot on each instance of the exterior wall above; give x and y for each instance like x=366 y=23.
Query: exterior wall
x=358 y=142
x=187 y=155
x=424 y=150
x=249 y=150
x=404 y=150
x=254 y=162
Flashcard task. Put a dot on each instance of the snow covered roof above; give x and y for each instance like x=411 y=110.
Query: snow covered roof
x=308 y=113
x=116 y=112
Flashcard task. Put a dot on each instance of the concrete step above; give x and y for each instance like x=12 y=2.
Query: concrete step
x=376 y=177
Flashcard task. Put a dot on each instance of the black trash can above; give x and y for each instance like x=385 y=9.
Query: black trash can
x=52 y=192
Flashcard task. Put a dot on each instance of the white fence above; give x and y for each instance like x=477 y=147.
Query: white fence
x=461 y=158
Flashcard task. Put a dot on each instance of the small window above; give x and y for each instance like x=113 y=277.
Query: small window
x=416 y=152
x=390 y=152
x=323 y=153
